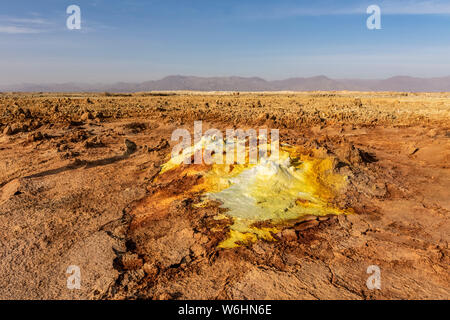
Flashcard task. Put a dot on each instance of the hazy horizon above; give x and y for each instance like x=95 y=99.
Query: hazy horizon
x=194 y=83
x=219 y=77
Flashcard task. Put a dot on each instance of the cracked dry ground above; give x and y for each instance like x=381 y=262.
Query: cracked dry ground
x=72 y=193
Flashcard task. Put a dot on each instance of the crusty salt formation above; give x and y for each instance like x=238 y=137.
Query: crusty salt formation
x=274 y=190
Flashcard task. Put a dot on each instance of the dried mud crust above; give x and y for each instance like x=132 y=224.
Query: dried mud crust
x=78 y=187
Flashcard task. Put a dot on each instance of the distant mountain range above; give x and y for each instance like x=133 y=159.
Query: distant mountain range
x=319 y=83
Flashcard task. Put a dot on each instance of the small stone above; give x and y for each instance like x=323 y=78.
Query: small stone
x=86 y=116
x=62 y=147
x=314 y=244
x=150 y=269
x=306 y=225
x=186 y=260
x=10 y=189
x=165 y=296
x=18 y=111
x=289 y=235
x=412 y=150
x=197 y=250
x=136 y=275
x=77 y=162
x=131 y=146
x=93 y=142
x=98 y=115
x=35 y=136
x=308 y=218
x=131 y=261
x=432 y=133
x=200 y=238
x=8 y=131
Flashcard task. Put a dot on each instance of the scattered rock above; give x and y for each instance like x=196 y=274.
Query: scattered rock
x=78 y=136
x=289 y=235
x=358 y=103
x=98 y=115
x=197 y=250
x=135 y=275
x=186 y=260
x=379 y=189
x=19 y=112
x=131 y=261
x=86 y=116
x=35 y=136
x=8 y=131
x=165 y=296
x=412 y=150
x=308 y=218
x=200 y=238
x=131 y=147
x=306 y=225
x=9 y=190
x=62 y=147
x=77 y=162
x=71 y=154
x=163 y=143
x=93 y=142
x=150 y=269
x=432 y=133
x=135 y=127
x=354 y=155
x=171 y=249
x=367 y=157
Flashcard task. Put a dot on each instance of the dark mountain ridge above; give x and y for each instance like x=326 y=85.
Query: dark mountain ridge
x=318 y=83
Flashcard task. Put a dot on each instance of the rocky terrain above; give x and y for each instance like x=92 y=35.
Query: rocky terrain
x=78 y=186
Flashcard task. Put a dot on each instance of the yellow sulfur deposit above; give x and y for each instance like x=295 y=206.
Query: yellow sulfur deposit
x=272 y=190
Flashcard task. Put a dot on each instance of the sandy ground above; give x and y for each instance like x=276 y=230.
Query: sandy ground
x=72 y=192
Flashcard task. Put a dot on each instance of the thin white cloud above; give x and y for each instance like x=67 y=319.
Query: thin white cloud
x=401 y=7
x=390 y=7
x=35 y=21
x=37 y=24
x=18 y=30
x=404 y=7
x=23 y=25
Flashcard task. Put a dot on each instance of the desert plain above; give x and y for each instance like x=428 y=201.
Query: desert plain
x=81 y=184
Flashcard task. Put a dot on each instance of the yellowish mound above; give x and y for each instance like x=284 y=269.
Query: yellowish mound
x=273 y=190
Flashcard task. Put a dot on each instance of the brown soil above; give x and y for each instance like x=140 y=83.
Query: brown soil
x=77 y=187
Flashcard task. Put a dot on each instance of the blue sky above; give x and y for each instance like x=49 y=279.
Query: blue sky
x=144 y=40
